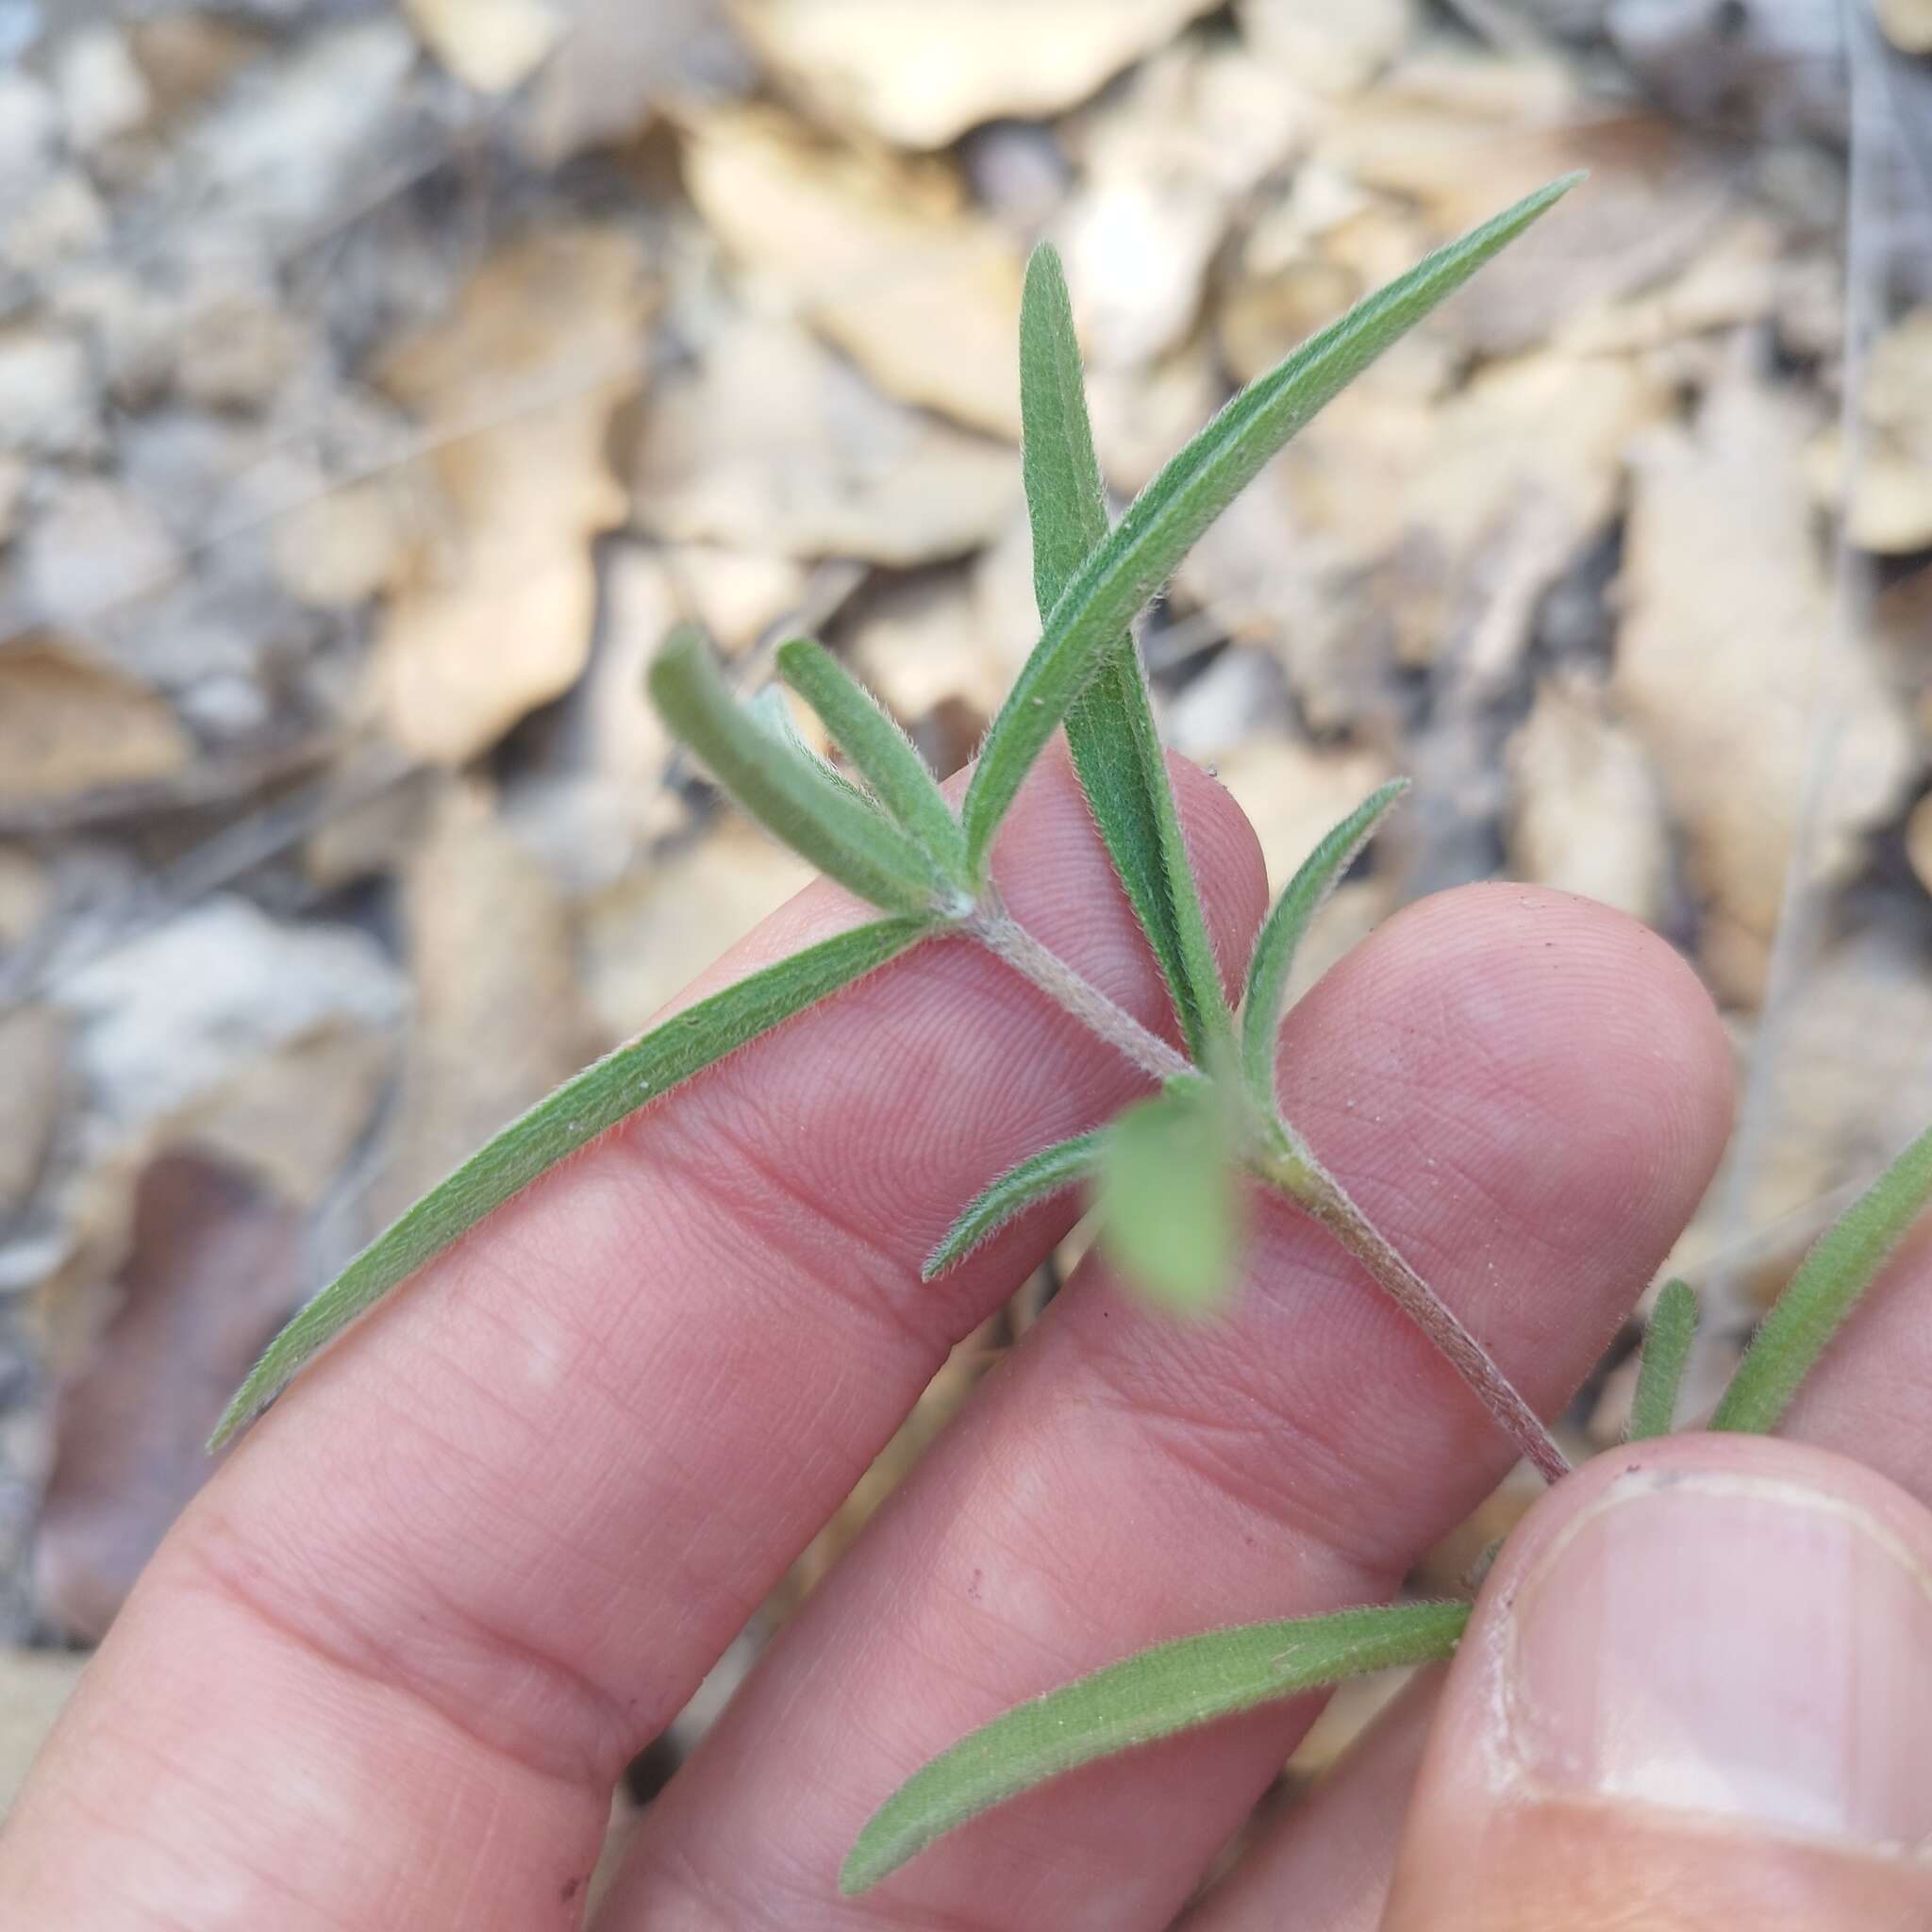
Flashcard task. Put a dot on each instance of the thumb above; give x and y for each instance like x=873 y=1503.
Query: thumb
x=1696 y=1694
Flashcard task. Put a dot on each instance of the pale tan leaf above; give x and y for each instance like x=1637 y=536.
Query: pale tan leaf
x=921 y=74
x=772 y=444
x=886 y=260
x=1727 y=663
x=70 y=725
x=496 y=617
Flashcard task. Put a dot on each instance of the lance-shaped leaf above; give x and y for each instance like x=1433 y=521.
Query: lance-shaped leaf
x=843 y=835
x=1052 y=1170
x=1274 y=953
x=1195 y=486
x=579 y=1111
x=770 y=709
x=1824 y=1291
x=1171 y=1688
x=1170 y=1197
x=883 y=756
x=1110 y=725
x=1667 y=1338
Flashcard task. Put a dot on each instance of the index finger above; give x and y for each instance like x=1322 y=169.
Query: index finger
x=388 y=1667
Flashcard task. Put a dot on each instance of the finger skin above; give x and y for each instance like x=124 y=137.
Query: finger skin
x=1870 y=1397
x=1498 y=1841
x=1528 y=1093
x=1327 y=1860
x=384 y=1671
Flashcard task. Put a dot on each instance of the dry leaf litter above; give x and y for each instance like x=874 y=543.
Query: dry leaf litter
x=379 y=382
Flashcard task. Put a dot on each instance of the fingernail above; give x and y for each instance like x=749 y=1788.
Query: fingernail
x=1734 y=1646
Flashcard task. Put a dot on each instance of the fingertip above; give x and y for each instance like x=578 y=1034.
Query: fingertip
x=1697 y=1682
x=1551 y=1020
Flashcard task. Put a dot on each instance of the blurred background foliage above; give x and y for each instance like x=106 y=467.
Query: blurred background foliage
x=379 y=379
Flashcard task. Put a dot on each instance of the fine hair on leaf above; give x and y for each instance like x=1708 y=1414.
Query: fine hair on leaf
x=1110 y=729
x=1825 y=1291
x=1052 y=1170
x=847 y=839
x=1667 y=1338
x=1167 y=518
x=579 y=1110
x=1171 y=1688
x=1281 y=933
x=882 y=755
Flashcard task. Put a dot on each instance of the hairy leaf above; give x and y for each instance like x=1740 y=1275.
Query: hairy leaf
x=1110 y=725
x=1171 y=1198
x=558 y=1125
x=1273 y=955
x=1171 y=1688
x=1667 y=1339
x=770 y=709
x=1824 y=1291
x=1197 y=485
x=883 y=756
x=1052 y=1170
x=847 y=838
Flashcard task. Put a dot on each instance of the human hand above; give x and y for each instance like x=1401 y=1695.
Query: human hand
x=386 y=1670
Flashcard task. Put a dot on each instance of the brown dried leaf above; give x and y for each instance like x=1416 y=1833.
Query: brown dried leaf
x=1588 y=816
x=215 y=1262
x=885 y=259
x=492 y=958
x=1891 y=506
x=772 y=444
x=1460 y=136
x=33 y=1058
x=70 y=725
x=487 y=45
x=1337 y=49
x=1907 y=25
x=1165 y=164
x=1727 y=664
x=655 y=930
x=922 y=76
x=544 y=345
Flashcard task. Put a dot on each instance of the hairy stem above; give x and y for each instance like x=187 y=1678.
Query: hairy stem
x=996 y=929
x=1287 y=1165
x=1297 y=1173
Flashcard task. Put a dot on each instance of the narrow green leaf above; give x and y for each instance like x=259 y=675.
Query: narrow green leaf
x=845 y=837
x=1110 y=725
x=1273 y=955
x=1173 y=1687
x=1171 y=1199
x=1168 y=517
x=1052 y=1170
x=1667 y=1339
x=1825 y=1291
x=770 y=709
x=557 y=1127
x=883 y=756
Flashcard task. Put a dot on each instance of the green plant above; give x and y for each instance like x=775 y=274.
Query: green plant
x=1172 y=1173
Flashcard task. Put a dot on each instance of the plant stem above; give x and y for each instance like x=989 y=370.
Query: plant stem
x=1286 y=1164
x=996 y=929
x=1295 y=1172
